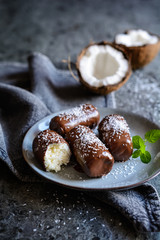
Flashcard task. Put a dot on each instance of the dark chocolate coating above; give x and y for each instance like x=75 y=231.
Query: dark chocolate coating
x=42 y=141
x=89 y=151
x=114 y=132
x=85 y=114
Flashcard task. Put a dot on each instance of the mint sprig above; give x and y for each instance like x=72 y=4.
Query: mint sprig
x=139 y=144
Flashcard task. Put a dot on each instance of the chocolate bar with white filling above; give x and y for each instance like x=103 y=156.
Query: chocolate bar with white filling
x=51 y=150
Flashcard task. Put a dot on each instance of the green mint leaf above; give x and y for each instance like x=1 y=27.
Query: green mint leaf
x=145 y=157
x=153 y=135
x=138 y=143
x=136 y=154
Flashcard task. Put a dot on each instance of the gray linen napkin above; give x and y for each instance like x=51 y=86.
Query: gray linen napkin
x=29 y=93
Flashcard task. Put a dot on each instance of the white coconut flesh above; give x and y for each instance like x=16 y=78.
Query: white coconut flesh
x=56 y=155
x=136 y=38
x=103 y=65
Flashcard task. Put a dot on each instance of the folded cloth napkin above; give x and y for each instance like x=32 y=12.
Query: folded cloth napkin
x=30 y=92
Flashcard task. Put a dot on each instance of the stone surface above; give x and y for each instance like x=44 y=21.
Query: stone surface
x=59 y=29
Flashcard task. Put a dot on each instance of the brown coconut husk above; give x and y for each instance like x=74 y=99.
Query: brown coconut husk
x=142 y=55
x=109 y=88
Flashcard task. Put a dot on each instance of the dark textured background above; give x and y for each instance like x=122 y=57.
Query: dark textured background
x=59 y=29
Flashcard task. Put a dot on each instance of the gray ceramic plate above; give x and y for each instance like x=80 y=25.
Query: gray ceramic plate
x=122 y=176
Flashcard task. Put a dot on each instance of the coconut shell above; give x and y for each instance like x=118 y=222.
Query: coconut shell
x=142 y=55
x=109 y=88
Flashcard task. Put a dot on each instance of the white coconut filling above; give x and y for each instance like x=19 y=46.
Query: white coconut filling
x=102 y=66
x=56 y=155
x=136 y=38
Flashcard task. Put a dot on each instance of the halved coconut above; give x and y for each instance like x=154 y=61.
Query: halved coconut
x=103 y=67
x=141 y=45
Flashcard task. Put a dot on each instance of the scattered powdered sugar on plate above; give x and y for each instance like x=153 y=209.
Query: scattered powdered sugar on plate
x=123 y=169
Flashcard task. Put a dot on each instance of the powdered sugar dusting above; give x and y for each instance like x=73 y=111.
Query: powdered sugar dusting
x=87 y=142
x=82 y=112
x=113 y=125
x=116 y=122
x=46 y=137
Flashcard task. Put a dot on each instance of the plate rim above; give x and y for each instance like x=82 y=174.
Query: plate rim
x=120 y=188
